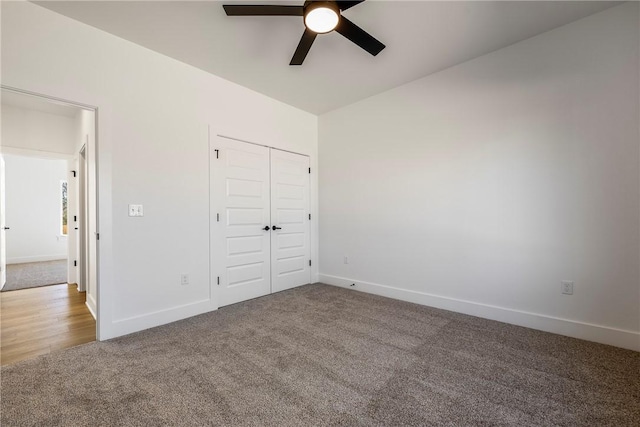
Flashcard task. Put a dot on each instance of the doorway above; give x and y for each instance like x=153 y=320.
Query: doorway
x=260 y=220
x=35 y=234
x=47 y=317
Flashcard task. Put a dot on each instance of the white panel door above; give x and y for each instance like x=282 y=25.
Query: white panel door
x=240 y=263
x=3 y=232
x=290 y=238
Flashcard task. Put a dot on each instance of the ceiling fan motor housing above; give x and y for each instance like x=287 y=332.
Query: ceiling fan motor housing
x=310 y=6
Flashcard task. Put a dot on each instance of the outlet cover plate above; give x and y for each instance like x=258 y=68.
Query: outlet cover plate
x=567 y=287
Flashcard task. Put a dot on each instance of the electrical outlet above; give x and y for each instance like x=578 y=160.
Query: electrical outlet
x=567 y=287
x=184 y=279
x=346 y=260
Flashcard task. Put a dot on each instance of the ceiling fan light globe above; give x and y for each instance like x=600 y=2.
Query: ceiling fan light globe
x=321 y=20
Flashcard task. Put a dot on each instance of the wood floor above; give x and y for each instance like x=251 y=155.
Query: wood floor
x=41 y=320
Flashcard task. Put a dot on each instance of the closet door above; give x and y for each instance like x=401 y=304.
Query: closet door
x=290 y=237
x=240 y=247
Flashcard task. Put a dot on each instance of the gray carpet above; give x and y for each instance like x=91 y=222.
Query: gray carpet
x=35 y=274
x=320 y=355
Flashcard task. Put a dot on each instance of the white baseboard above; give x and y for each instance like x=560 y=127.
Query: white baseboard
x=158 y=318
x=37 y=258
x=571 y=328
x=91 y=305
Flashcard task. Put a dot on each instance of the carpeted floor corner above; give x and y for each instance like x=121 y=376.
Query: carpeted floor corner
x=320 y=355
x=35 y=274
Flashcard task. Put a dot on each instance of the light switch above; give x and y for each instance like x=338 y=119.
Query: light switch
x=136 y=210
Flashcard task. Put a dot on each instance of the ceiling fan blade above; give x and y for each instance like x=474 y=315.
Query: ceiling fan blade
x=303 y=47
x=359 y=36
x=262 y=10
x=344 y=5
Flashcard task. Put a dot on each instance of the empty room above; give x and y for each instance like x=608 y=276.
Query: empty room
x=338 y=212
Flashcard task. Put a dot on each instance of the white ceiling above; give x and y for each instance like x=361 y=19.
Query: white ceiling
x=422 y=37
x=29 y=102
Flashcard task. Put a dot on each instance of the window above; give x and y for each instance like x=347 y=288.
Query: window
x=63 y=222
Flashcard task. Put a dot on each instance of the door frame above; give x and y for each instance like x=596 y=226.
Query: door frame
x=95 y=188
x=82 y=236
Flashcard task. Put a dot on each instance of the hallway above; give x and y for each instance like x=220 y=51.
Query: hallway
x=42 y=320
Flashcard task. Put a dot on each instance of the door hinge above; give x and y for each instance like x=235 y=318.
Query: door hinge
x=74 y=173
x=217 y=153
x=97 y=236
x=309 y=216
x=75 y=218
x=218 y=217
x=309 y=170
x=75 y=263
x=218 y=280
x=309 y=263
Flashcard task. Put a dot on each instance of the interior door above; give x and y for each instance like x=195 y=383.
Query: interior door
x=3 y=231
x=290 y=239
x=240 y=263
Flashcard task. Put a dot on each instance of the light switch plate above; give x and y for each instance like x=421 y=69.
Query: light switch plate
x=136 y=210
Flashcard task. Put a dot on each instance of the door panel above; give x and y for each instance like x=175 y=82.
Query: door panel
x=290 y=246
x=239 y=212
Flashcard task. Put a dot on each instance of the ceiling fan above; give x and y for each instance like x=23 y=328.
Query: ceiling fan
x=320 y=17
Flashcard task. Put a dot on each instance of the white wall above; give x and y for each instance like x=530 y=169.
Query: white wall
x=33 y=209
x=482 y=187
x=28 y=129
x=153 y=117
